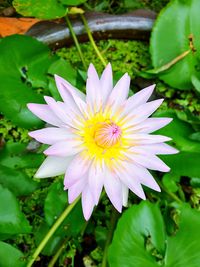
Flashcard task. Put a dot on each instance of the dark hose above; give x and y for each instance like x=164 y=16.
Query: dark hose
x=136 y=25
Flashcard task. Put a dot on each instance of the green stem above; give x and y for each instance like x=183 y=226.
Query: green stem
x=114 y=217
x=76 y=41
x=92 y=40
x=169 y=64
x=58 y=252
x=51 y=232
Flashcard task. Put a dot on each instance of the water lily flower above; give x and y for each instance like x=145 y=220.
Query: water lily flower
x=102 y=139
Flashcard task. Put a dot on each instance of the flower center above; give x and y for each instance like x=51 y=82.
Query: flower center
x=107 y=134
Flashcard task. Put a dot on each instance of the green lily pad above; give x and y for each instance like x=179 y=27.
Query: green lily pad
x=144 y=242
x=17 y=181
x=134 y=227
x=10 y=256
x=23 y=65
x=12 y=220
x=177 y=30
x=41 y=9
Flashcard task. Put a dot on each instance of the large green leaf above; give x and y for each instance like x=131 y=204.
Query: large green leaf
x=183 y=248
x=55 y=203
x=10 y=256
x=144 y=221
x=17 y=181
x=23 y=65
x=12 y=220
x=16 y=156
x=134 y=227
x=176 y=24
x=42 y=9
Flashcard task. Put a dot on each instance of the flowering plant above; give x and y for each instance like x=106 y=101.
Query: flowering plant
x=102 y=139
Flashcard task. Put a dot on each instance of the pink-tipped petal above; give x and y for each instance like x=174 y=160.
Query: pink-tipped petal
x=141 y=113
x=128 y=178
x=151 y=162
x=143 y=139
x=65 y=88
x=61 y=111
x=53 y=166
x=51 y=135
x=157 y=149
x=106 y=81
x=144 y=176
x=151 y=124
x=113 y=188
x=76 y=189
x=44 y=112
x=93 y=96
x=138 y=99
x=76 y=170
x=65 y=148
x=119 y=93
x=96 y=180
x=87 y=203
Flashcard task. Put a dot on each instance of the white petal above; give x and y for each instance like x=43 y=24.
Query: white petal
x=44 y=112
x=51 y=135
x=64 y=148
x=125 y=192
x=87 y=203
x=143 y=139
x=158 y=149
x=96 y=179
x=93 y=96
x=127 y=176
x=119 y=94
x=138 y=99
x=113 y=188
x=151 y=162
x=53 y=166
x=141 y=113
x=144 y=176
x=151 y=124
x=61 y=111
x=106 y=81
x=76 y=170
x=65 y=87
x=76 y=189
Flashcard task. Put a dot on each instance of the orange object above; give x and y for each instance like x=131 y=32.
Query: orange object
x=10 y=26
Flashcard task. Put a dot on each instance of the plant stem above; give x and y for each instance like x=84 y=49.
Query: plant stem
x=114 y=217
x=51 y=232
x=92 y=40
x=58 y=252
x=169 y=64
x=76 y=41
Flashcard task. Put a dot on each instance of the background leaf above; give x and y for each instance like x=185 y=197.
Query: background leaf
x=134 y=227
x=18 y=74
x=180 y=17
x=12 y=220
x=41 y=9
x=10 y=256
x=129 y=249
